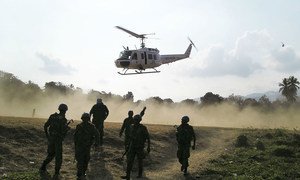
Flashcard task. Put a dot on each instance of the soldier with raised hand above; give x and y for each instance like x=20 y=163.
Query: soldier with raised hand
x=55 y=129
x=127 y=123
x=99 y=112
x=138 y=136
x=85 y=136
x=184 y=135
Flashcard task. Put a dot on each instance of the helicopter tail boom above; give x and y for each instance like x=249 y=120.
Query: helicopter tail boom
x=169 y=58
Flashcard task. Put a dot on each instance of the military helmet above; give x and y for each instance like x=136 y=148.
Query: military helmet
x=85 y=116
x=185 y=119
x=130 y=113
x=137 y=118
x=62 y=107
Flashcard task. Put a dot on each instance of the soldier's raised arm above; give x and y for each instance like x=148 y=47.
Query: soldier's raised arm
x=143 y=112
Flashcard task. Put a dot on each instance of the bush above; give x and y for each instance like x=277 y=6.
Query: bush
x=283 y=152
x=242 y=141
x=260 y=146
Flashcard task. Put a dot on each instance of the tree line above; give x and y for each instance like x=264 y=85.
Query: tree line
x=12 y=88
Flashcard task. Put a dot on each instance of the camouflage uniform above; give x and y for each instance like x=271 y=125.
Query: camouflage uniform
x=84 y=137
x=184 y=135
x=127 y=123
x=100 y=113
x=58 y=127
x=138 y=136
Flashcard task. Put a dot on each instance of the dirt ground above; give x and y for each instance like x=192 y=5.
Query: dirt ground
x=23 y=147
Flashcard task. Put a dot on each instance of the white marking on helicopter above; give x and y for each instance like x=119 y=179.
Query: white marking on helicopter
x=146 y=58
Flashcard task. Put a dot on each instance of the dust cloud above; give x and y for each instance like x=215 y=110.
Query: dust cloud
x=223 y=115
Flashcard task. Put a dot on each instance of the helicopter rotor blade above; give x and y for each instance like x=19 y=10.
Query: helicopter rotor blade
x=192 y=43
x=131 y=33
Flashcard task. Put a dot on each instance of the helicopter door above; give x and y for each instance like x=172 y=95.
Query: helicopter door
x=145 y=58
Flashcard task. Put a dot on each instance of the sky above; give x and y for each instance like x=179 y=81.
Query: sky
x=76 y=42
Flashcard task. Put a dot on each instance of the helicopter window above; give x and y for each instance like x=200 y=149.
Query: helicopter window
x=134 y=56
x=125 y=54
x=142 y=54
x=149 y=56
x=155 y=58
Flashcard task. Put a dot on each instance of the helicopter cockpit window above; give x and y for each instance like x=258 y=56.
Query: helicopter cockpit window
x=155 y=58
x=134 y=56
x=149 y=56
x=125 y=54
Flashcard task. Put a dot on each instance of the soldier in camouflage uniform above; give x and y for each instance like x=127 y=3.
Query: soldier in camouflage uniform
x=138 y=136
x=127 y=123
x=184 y=135
x=56 y=129
x=99 y=112
x=85 y=136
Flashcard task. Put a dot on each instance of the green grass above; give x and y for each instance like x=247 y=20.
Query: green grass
x=22 y=176
x=279 y=160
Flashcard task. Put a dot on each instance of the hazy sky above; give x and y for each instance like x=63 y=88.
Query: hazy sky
x=75 y=42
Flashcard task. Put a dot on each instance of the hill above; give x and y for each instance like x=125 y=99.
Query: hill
x=23 y=147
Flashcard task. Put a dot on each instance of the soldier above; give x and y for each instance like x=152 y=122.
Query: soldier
x=138 y=136
x=85 y=136
x=99 y=112
x=126 y=126
x=184 y=135
x=58 y=127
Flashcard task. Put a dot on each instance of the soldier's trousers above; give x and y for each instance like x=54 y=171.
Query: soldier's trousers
x=139 y=152
x=183 y=154
x=99 y=126
x=82 y=156
x=54 y=150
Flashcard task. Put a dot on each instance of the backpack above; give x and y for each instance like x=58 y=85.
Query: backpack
x=183 y=135
x=58 y=127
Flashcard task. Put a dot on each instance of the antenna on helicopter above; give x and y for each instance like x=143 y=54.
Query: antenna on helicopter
x=141 y=36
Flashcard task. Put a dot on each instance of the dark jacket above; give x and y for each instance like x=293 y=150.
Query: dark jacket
x=99 y=111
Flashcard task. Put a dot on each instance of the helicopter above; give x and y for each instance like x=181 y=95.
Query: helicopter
x=145 y=58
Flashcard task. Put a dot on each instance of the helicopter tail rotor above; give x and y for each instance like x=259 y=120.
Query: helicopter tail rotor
x=192 y=43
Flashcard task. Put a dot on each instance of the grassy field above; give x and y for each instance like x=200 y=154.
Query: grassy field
x=273 y=154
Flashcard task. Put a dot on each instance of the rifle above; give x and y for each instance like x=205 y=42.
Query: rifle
x=67 y=128
x=127 y=149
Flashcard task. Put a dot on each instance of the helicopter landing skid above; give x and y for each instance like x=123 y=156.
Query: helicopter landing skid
x=138 y=72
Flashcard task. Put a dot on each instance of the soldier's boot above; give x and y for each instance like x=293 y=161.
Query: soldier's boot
x=43 y=168
x=181 y=168
x=185 y=171
x=57 y=172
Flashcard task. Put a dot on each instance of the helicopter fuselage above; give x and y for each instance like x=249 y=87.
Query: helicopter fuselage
x=140 y=59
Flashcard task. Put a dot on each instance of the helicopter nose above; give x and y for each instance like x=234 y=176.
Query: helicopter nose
x=122 y=63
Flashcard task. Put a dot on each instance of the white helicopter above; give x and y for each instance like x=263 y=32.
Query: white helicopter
x=146 y=58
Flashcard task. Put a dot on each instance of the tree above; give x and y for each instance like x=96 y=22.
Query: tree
x=210 y=98
x=189 y=102
x=293 y=87
x=129 y=96
x=289 y=87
